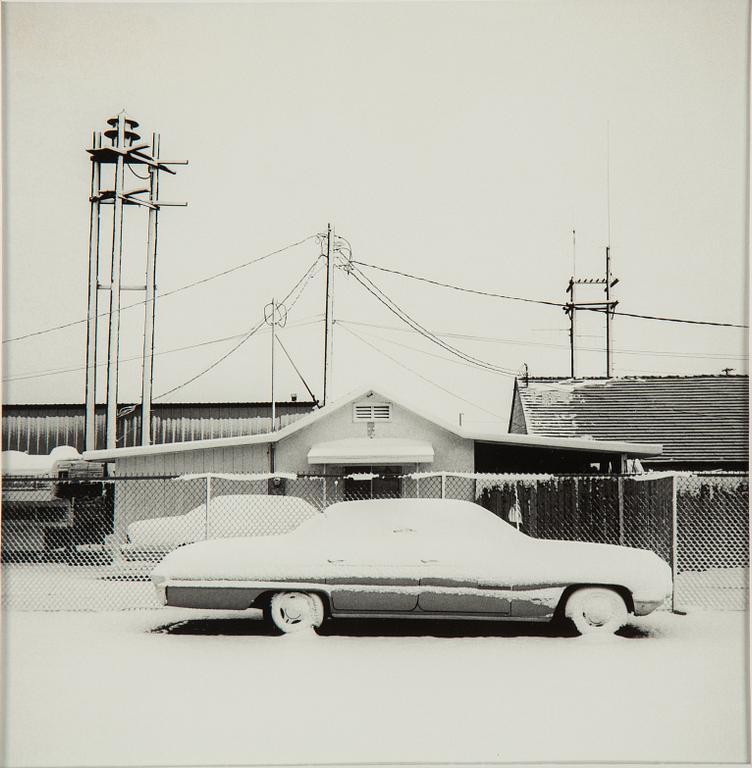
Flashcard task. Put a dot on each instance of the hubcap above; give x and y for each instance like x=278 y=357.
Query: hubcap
x=598 y=610
x=294 y=609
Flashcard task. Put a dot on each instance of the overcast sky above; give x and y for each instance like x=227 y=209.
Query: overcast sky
x=458 y=141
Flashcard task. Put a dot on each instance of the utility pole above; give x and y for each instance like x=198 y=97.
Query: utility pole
x=275 y=315
x=147 y=367
x=90 y=415
x=608 y=311
x=274 y=342
x=570 y=290
x=329 y=315
x=608 y=306
x=113 y=339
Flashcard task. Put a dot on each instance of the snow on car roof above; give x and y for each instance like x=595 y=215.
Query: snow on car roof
x=426 y=514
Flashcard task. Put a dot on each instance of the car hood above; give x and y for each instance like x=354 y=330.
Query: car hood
x=585 y=562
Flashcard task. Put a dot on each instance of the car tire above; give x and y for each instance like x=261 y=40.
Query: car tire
x=296 y=611
x=596 y=610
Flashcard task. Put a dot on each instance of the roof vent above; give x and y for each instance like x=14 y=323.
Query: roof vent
x=372 y=411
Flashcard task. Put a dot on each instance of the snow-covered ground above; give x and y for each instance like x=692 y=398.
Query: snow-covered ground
x=101 y=689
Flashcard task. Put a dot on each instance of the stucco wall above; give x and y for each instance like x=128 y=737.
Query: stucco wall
x=450 y=451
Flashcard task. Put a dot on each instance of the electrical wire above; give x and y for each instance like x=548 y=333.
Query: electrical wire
x=209 y=342
x=420 y=376
x=245 y=338
x=376 y=336
x=514 y=342
x=477 y=292
x=172 y=292
x=409 y=320
x=544 y=302
x=295 y=368
x=670 y=319
x=395 y=309
x=137 y=175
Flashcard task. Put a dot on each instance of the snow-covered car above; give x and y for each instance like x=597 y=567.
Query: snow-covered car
x=230 y=515
x=417 y=558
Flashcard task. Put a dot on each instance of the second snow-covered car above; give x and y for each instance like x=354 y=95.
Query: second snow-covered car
x=227 y=516
x=417 y=558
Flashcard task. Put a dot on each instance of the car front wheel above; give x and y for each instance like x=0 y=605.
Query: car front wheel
x=296 y=611
x=596 y=610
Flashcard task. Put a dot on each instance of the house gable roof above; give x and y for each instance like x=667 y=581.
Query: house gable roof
x=695 y=418
x=481 y=434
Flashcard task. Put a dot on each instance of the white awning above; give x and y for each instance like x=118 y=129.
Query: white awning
x=377 y=450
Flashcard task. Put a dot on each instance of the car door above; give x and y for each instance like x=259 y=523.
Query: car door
x=501 y=573
x=376 y=575
x=466 y=574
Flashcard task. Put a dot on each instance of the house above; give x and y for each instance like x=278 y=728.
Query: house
x=702 y=422
x=369 y=440
x=371 y=428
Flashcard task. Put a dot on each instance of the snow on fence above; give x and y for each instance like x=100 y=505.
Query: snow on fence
x=90 y=545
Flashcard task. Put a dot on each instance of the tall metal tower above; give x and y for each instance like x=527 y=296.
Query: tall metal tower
x=108 y=164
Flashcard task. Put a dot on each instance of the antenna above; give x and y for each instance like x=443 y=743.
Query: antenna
x=608 y=182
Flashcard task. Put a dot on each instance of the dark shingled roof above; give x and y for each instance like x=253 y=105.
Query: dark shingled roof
x=695 y=418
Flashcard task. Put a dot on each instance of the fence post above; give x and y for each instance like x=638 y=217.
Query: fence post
x=323 y=492
x=674 y=543
x=620 y=491
x=208 y=504
x=443 y=485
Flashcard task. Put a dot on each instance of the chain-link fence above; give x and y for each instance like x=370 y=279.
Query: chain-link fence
x=712 y=540
x=90 y=545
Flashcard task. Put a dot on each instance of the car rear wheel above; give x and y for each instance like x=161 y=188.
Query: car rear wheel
x=296 y=611
x=596 y=610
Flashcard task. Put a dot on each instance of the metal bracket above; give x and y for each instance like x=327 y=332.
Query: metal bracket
x=108 y=287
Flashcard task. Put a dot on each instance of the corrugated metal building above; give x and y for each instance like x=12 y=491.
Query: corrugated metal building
x=38 y=428
x=701 y=421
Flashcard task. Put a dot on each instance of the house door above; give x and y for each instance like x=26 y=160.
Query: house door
x=387 y=486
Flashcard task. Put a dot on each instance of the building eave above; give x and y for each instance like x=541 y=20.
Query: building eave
x=631 y=450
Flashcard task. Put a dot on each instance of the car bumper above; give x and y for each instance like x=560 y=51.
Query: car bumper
x=644 y=607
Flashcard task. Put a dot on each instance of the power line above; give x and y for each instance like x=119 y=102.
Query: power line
x=420 y=376
x=181 y=288
x=490 y=294
x=515 y=342
x=403 y=315
x=296 y=369
x=407 y=346
x=209 y=342
x=415 y=326
x=475 y=291
x=670 y=319
x=243 y=340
